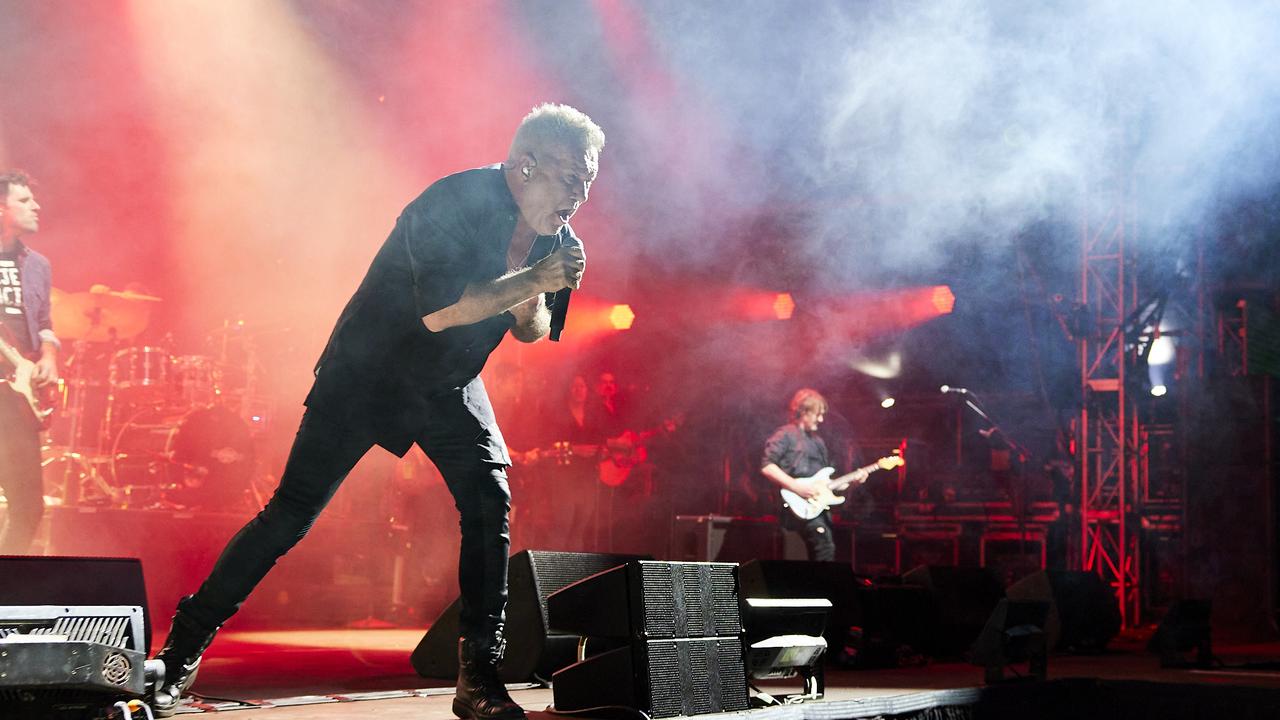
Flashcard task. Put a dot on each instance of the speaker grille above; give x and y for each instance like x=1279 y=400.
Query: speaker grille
x=695 y=676
x=689 y=599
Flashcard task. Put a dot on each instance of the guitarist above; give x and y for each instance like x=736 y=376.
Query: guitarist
x=794 y=453
x=25 y=287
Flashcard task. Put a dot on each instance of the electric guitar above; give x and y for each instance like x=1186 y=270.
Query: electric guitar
x=810 y=508
x=614 y=459
x=20 y=382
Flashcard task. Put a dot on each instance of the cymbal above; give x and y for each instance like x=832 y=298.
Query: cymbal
x=131 y=295
x=126 y=294
x=99 y=314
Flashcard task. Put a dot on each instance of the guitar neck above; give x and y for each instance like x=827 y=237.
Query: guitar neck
x=849 y=477
x=867 y=468
x=11 y=354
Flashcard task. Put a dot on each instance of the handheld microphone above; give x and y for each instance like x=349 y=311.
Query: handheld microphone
x=560 y=301
x=948 y=389
x=559 y=309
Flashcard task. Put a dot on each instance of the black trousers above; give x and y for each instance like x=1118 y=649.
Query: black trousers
x=20 y=473
x=326 y=448
x=818 y=538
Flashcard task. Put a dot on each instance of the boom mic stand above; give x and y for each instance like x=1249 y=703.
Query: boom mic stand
x=995 y=432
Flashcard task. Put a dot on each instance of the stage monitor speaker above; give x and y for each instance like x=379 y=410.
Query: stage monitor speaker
x=74 y=581
x=680 y=630
x=963 y=600
x=1014 y=634
x=1083 y=613
x=834 y=581
x=532 y=651
x=1185 y=628
x=651 y=600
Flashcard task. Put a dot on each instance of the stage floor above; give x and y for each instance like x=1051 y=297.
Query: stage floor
x=302 y=674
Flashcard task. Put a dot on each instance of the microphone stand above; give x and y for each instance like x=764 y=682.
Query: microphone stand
x=995 y=431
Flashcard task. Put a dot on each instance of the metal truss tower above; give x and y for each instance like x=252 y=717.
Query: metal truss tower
x=1108 y=443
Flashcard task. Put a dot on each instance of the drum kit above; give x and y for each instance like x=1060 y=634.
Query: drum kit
x=141 y=427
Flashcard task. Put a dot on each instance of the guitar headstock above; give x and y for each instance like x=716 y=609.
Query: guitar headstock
x=890 y=462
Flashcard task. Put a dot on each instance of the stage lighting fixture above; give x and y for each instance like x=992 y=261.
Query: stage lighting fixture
x=621 y=317
x=887 y=403
x=783 y=639
x=784 y=306
x=73 y=660
x=944 y=301
x=1159 y=390
x=1161 y=351
x=1014 y=634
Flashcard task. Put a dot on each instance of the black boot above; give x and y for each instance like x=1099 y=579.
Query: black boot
x=481 y=694
x=187 y=641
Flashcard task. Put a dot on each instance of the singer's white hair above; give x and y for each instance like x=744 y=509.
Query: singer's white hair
x=550 y=124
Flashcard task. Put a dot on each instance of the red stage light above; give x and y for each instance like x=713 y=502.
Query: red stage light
x=621 y=317
x=944 y=301
x=783 y=306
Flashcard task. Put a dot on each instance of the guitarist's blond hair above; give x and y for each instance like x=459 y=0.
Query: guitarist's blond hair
x=807 y=400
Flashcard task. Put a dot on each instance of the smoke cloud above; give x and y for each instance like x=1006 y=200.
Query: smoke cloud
x=898 y=126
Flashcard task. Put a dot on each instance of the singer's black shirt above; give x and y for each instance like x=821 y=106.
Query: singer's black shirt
x=381 y=366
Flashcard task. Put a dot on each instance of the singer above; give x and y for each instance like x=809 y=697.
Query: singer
x=471 y=258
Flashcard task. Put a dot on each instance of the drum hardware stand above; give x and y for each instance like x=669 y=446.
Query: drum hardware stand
x=253 y=408
x=108 y=417
x=84 y=469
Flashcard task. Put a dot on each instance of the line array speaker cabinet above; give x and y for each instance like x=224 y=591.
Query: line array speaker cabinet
x=532 y=650
x=664 y=678
x=678 y=629
x=651 y=599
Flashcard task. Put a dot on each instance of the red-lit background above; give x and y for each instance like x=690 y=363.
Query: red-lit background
x=243 y=161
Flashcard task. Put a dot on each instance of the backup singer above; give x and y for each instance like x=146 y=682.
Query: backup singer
x=25 y=287
x=471 y=258
x=795 y=452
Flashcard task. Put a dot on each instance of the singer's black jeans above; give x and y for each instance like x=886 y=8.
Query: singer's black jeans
x=325 y=450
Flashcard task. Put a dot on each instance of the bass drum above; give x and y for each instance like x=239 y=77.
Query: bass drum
x=203 y=459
